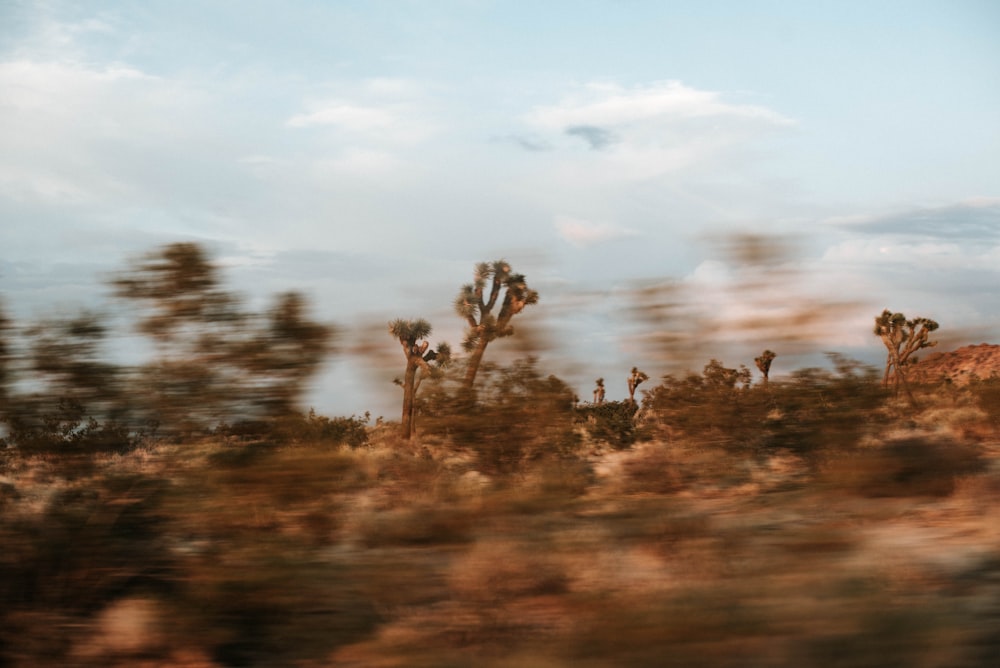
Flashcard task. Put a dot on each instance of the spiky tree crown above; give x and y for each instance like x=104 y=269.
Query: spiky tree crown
x=409 y=331
x=475 y=302
x=897 y=331
x=764 y=361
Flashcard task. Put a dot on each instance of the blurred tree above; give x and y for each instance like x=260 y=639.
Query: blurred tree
x=409 y=333
x=285 y=352
x=635 y=379
x=66 y=354
x=473 y=305
x=216 y=361
x=599 y=392
x=902 y=338
x=720 y=378
x=764 y=364
x=180 y=288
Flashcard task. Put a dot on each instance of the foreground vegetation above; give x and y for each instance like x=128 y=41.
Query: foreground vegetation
x=815 y=521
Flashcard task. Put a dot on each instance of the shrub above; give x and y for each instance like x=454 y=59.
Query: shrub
x=516 y=415
x=612 y=422
x=905 y=467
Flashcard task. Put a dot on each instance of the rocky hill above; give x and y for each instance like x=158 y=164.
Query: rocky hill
x=959 y=366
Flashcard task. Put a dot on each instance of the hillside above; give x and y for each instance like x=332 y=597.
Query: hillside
x=959 y=366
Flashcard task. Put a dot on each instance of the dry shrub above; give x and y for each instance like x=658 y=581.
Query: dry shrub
x=905 y=467
x=422 y=525
x=494 y=571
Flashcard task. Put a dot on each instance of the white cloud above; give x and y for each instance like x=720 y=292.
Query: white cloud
x=59 y=86
x=585 y=233
x=611 y=105
x=645 y=132
x=381 y=111
x=348 y=116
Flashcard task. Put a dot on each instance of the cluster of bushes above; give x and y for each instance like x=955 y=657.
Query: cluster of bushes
x=516 y=414
x=814 y=411
x=298 y=428
x=67 y=428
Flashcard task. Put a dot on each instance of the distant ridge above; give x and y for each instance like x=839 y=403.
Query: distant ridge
x=960 y=365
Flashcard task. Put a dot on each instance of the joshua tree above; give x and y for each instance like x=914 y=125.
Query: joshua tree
x=418 y=358
x=599 y=392
x=902 y=338
x=764 y=364
x=476 y=307
x=634 y=380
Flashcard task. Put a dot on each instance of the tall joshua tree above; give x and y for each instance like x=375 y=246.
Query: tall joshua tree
x=418 y=359
x=902 y=338
x=476 y=305
x=764 y=364
x=635 y=379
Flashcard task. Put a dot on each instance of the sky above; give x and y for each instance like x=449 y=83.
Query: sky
x=369 y=154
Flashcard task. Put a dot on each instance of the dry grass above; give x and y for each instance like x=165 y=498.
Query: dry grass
x=668 y=553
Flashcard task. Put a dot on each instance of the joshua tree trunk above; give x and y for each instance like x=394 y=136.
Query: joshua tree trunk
x=472 y=368
x=409 y=390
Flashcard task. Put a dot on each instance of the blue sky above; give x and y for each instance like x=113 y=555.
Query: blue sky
x=368 y=153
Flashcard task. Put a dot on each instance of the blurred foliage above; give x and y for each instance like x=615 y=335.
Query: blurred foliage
x=611 y=422
x=515 y=415
x=810 y=412
x=903 y=467
x=213 y=361
x=808 y=521
x=299 y=428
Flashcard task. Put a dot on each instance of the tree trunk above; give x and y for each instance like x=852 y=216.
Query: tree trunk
x=409 y=381
x=472 y=368
x=900 y=378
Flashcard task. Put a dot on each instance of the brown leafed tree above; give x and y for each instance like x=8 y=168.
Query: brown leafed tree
x=764 y=364
x=476 y=302
x=902 y=338
x=412 y=335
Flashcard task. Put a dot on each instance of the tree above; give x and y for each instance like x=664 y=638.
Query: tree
x=764 y=364
x=635 y=379
x=902 y=338
x=67 y=354
x=216 y=361
x=418 y=358
x=180 y=288
x=599 y=392
x=476 y=307
x=283 y=353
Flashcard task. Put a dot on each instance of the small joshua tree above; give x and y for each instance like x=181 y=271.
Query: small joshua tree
x=764 y=364
x=599 y=392
x=418 y=359
x=476 y=307
x=902 y=338
x=635 y=379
